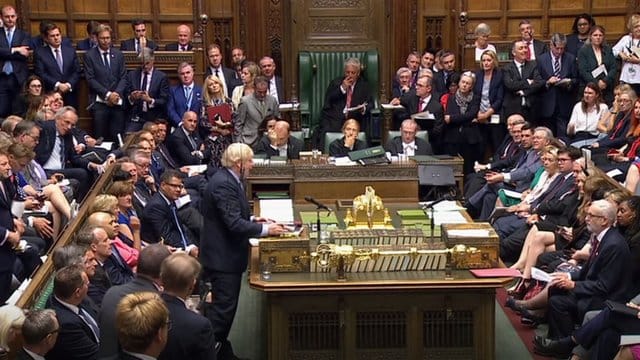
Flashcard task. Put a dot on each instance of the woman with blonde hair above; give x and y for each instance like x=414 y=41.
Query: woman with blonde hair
x=249 y=72
x=628 y=50
x=11 y=320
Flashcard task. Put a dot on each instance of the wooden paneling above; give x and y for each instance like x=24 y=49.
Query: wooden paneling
x=136 y=8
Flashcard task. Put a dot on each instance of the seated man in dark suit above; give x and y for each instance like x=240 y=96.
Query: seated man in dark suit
x=143 y=326
x=140 y=36
x=191 y=334
x=185 y=145
x=115 y=266
x=148 y=92
x=78 y=335
x=278 y=142
x=407 y=143
x=10 y=231
x=39 y=332
x=349 y=142
x=184 y=40
x=160 y=219
x=55 y=151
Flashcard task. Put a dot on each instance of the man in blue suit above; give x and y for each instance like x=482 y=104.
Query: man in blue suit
x=107 y=77
x=559 y=71
x=224 y=241
x=186 y=96
x=57 y=65
x=140 y=32
x=148 y=92
x=10 y=230
x=14 y=51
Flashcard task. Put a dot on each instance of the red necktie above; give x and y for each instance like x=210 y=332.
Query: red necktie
x=421 y=105
x=528 y=51
x=348 y=105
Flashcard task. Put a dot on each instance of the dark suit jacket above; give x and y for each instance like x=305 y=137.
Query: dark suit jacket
x=118 y=271
x=224 y=240
x=333 y=116
x=280 y=88
x=410 y=103
x=85 y=44
x=558 y=97
x=158 y=222
x=177 y=104
x=99 y=283
x=130 y=45
x=587 y=62
x=294 y=146
x=496 y=89
x=180 y=148
x=22 y=355
x=37 y=41
x=7 y=254
x=461 y=130
x=337 y=148
x=47 y=141
x=191 y=335
x=174 y=47
x=158 y=90
x=47 y=68
x=513 y=82
x=102 y=79
x=395 y=146
x=107 y=316
x=229 y=78
x=75 y=339
x=19 y=62
x=439 y=86
x=605 y=276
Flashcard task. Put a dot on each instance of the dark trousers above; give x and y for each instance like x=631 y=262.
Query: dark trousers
x=108 y=121
x=602 y=333
x=9 y=89
x=5 y=284
x=562 y=313
x=226 y=289
x=511 y=246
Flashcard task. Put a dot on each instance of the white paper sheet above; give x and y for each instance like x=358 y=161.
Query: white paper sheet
x=279 y=210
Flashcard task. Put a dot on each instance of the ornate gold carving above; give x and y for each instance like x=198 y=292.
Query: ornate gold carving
x=338 y=25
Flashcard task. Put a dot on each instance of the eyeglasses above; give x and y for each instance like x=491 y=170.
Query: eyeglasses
x=175 y=186
x=594 y=215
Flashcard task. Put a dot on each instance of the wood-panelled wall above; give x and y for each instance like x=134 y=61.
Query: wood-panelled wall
x=281 y=28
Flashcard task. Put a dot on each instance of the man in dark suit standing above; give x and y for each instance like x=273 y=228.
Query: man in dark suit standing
x=79 y=334
x=160 y=216
x=224 y=240
x=14 y=51
x=422 y=101
x=185 y=145
x=10 y=229
x=39 y=332
x=522 y=84
x=534 y=48
x=107 y=77
x=147 y=279
x=603 y=277
x=276 y=87
x=57 y=65
x=191 y=335
x=184 y=40
x=140 y=36
x=441 y=79
x=344 y=93
x=407 y=143
x=186 y=96
x=278 y=142
x=148 y=92
x=143 y=326
x=559 y=71
x=226 y=75
x=92 y=37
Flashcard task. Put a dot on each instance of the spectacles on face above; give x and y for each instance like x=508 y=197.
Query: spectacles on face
x=591 y=215
x=175 y=186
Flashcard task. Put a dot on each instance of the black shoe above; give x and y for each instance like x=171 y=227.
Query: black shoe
x=552 y=348
x=530 y=319
x=512 y=304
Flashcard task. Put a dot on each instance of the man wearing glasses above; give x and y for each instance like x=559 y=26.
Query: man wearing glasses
x=161 y=222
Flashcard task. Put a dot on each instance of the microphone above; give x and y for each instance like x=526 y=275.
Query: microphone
x=317 y=203
x=434 y=203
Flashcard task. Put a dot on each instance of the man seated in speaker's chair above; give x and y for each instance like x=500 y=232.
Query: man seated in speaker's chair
x=407 y=143
x=278 y=142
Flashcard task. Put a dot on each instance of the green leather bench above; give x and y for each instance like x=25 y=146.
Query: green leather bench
x=317 y=69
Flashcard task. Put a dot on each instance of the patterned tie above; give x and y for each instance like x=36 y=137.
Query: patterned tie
x=143 y=87
x=187 y=95
x=59 y=59
x=183 y=237
x=556 y=67
x=595 y=244
x=8 y=67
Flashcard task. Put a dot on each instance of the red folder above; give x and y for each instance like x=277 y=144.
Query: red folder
x=224 y=111
x=495 y=272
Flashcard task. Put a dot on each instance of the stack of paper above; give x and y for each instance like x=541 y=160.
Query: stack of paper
x=279 y=210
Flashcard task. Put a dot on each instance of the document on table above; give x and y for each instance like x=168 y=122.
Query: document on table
x=279 y=210
x=448 y=217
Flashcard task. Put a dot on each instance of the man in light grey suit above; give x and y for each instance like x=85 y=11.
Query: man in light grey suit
x=253 y=109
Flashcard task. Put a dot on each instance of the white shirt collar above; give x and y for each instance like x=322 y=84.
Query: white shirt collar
x=33 y=355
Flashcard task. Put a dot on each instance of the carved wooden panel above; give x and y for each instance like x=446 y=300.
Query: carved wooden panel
x=434 y=34
x=524 y=5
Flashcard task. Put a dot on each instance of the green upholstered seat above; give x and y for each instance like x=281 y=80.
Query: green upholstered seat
x=331 y=136
x=318 y=68
x=297 y=134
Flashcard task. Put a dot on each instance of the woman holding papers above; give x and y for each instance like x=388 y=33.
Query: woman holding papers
x=596 y=63
x=221 y=127
x=628 y=50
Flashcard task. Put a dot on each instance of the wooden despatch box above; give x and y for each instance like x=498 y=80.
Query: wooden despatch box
x=481 y=236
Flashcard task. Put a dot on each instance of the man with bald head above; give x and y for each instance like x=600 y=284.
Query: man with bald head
x=276 y=87
x=184 y=40
x=278 y=142
x=114 y=263
x=185 y=144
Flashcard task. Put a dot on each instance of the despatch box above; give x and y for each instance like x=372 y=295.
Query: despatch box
x=480 y=236
x=286 y=254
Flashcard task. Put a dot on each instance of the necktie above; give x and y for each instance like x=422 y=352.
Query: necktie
x=167 y=158
x=556 y=67
x=58 y=59
x=348 y=103
x=217 y=73
x=90 y=322
x=137 y=45
x=520 y=68
x=105 y=58
x=175 y=218
x=528 y=51
x=59 y=148
x=8 y=67
x=445 y=76
x=421 y=105
x=143 y=87
x=263 y=109
x=594 y=248
x=192 y=141
x=183 y=48
x=187 y=95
